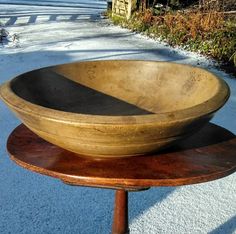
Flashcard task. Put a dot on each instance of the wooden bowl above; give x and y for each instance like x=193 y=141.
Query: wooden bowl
x=115 y=108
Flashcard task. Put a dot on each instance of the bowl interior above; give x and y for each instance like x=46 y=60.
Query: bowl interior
x=51 y=90
x=117 y=88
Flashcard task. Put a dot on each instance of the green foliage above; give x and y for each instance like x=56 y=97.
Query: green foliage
x=117 y=20
x=233 y=58
x=208 y=33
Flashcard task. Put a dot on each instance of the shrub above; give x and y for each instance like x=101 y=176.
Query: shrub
x=206 y=32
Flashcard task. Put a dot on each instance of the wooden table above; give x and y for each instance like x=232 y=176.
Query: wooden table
x=208 y=155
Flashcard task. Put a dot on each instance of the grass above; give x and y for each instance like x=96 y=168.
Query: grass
x=209 y=33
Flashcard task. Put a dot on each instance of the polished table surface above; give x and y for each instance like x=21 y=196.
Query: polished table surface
x=208 y=155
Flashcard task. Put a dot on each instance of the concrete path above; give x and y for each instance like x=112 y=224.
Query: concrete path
x=53 y=32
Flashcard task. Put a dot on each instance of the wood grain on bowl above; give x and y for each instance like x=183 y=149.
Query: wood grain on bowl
x=115 y=108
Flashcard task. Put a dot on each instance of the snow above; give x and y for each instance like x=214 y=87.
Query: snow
x=53 y=32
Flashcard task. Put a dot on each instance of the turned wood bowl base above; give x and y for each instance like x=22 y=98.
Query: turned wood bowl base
x=208 y=155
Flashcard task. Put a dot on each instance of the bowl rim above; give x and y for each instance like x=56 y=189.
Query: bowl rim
x=205 y=108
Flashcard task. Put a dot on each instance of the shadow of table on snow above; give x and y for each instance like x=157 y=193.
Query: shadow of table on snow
x=228 y=227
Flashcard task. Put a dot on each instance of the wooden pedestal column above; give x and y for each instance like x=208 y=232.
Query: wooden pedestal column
x=120 y=221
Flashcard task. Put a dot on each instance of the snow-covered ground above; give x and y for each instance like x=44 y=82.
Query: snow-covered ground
x=53 y=32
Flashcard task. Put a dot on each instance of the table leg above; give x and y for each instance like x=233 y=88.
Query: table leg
x=120 y=219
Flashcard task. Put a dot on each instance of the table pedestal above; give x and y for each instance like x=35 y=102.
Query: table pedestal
x=120 y=220
x=208 y=155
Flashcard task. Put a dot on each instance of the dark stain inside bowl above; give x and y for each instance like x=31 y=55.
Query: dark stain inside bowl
x=51 y=90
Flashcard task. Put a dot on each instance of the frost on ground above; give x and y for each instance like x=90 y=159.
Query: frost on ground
x=54 y=32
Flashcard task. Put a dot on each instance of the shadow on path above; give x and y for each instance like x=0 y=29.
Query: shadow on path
x=98 y=5
x=228 y=227
x=139 y=202
x=59 y=57
x=52 y=10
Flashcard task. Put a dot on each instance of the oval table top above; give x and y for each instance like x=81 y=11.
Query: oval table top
x=208 y=155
